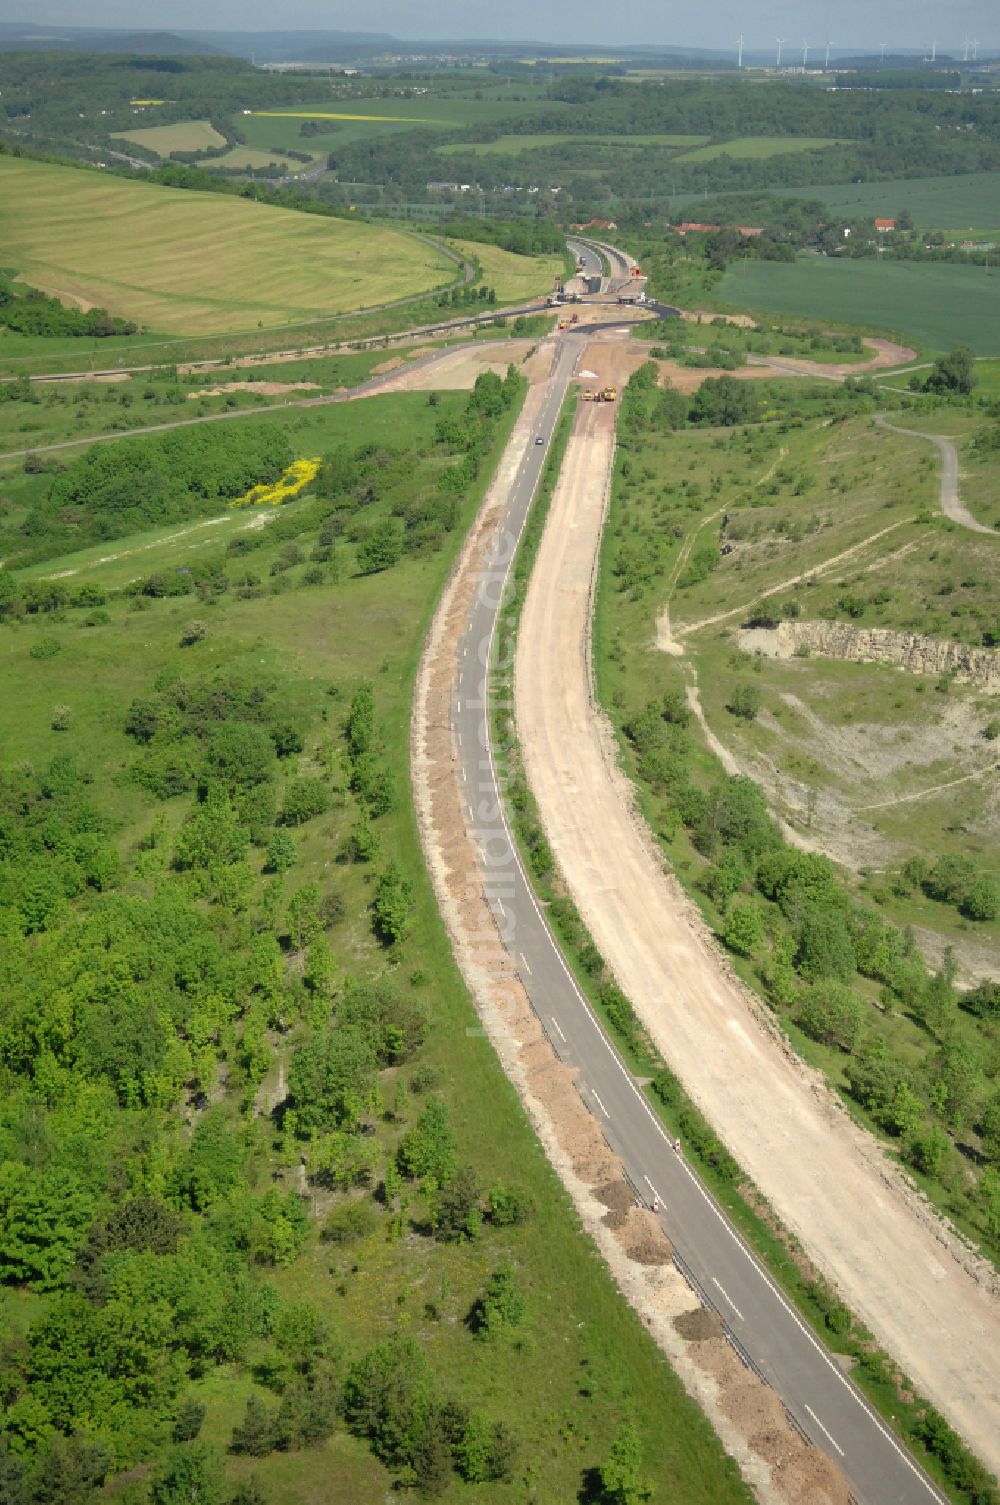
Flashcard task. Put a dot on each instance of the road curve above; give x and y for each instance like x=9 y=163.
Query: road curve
x=761 y=1322
x=950 y=500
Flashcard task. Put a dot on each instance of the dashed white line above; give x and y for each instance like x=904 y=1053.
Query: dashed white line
x=501 y=908
x=831 y=1440
x=558 y=1026
x=525 y=964
x=656 y=1194
x=597 y=1100
x=720 y=1287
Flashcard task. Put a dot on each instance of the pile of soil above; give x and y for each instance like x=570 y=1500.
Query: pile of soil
x=756 y=1410
x=809 y=1477
x=617 y=1195
x=699 y=1325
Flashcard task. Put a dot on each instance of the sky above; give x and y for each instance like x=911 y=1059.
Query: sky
x=711 y=23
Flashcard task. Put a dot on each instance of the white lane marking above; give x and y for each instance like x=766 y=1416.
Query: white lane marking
x=597 y=1100
x=558 y=1026
x=831 y=1440
x=719 y=1286
x=657 y=1126
x=501 y=908
x=527 y=967
x=652 y=1188
x=459 y=707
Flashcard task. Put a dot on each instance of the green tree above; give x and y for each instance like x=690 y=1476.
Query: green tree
x=44 y=1216
x=189 y=1476
x=621 y=1472
x=281 y=852
x=428 y=1150
x=743 y=930
x=952 y=373
x=256 y=1435
x=501 y=1307
x=382 y=548
x=744 y=700
x=330 y=1079
x=825 y=948
x=391 y=905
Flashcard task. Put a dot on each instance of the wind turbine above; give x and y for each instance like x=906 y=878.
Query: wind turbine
x=781 y=42
x=883 y=46
x=975 y=52
x=965 y=55
x=739 y=59
x=805 y=55
x=828 y=46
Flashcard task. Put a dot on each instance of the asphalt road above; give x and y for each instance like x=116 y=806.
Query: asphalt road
x=763 y=1326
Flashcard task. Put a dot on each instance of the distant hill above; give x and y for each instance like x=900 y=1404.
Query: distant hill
x=26 y=36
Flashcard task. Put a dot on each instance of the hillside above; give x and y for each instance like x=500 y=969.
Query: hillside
x=184 y=262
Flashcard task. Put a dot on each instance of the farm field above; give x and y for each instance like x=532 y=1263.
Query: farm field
x=295 y=613
x=514 y=145
x=512 y=277
x=756 y=147
x=963 y=202
x=180 y=262
x=362 y=118
x=936 y=306
x=182 y=136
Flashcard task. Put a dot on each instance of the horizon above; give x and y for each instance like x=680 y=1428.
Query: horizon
x=904 y=26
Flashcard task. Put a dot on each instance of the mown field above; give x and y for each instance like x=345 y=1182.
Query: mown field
x=756 y=147
x=287 y=607
x=936 y=306
x=512 y=277
x=182 y=136
x=182 y=262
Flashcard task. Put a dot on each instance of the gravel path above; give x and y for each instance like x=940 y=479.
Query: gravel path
x=929 y=1301
x=951 y=502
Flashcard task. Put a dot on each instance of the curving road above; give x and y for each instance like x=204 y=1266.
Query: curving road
x=761 y=1323
x=950 y=500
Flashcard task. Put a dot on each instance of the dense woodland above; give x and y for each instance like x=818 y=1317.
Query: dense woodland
x=146 y=1185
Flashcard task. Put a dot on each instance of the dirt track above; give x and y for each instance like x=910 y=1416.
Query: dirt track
x=930 y=1302
x=950 y=500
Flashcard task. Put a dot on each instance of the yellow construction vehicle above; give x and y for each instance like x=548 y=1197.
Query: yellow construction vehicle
x=588 y=395
x=609 y=394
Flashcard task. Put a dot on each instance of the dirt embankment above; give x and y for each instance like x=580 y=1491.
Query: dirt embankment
x=781 y=1469
x=877 y=645
x=778 y=1117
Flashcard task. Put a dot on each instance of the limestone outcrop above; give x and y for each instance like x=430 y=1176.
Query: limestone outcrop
x=877 y=645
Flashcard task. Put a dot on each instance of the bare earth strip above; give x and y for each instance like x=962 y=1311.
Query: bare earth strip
x=748 y=1417
x=928 y=1299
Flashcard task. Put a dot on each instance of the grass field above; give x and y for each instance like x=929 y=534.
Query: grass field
x=514 y=145
x=582 y=1364
x=182 y=136
x=512 y=277
x=756 y=147
x=251 y=157
x=183 y=262
x=937 y=307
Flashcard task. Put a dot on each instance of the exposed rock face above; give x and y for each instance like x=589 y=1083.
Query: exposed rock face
x=877 y=645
